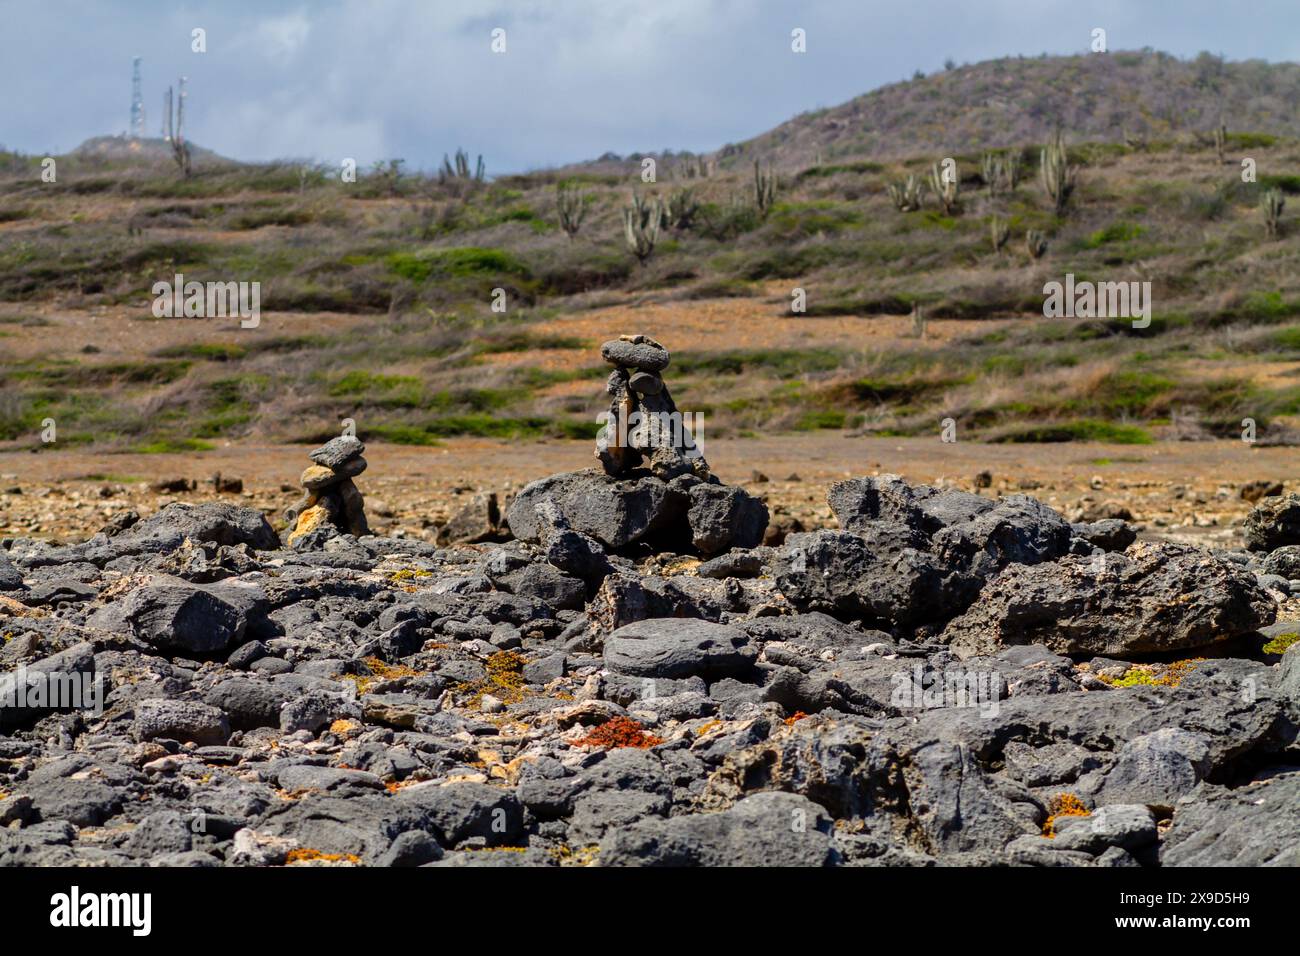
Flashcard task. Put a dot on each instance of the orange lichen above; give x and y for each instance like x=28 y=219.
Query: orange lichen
x=619 y=732
x=1063 y=805
x=304 y=854
x=794 y=718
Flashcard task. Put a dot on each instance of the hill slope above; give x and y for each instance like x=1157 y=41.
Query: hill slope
x=1012 y=101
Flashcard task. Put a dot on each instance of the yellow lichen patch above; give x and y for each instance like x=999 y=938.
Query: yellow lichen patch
x=1063 y=805
x=504 y=680
x=407 y=574
x=378 y=670
x=705 y=727
x=343 y=727
x=580 y=856
x=681 y=565
x=1279 y=644
x=307 y=855
x=1154 y=675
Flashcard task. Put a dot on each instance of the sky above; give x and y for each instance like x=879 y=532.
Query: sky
x=414 y=79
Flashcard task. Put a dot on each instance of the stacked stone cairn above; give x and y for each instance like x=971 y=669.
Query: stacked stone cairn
x=653 y=434
x=332 y=505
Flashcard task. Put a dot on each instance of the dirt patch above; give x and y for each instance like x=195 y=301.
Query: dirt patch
x=412 y=490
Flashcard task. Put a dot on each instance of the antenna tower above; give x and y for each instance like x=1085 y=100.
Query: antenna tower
x=137 y=101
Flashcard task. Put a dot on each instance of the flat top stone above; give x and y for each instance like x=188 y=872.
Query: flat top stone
x=336 y=451
x=649 y=356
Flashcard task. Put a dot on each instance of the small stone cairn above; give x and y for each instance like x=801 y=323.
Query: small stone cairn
x=657 y=437
x=332 y=505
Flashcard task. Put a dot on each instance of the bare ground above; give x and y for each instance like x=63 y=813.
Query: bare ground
x=1183 y=491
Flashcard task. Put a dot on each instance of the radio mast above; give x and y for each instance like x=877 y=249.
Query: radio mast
x=137 y=101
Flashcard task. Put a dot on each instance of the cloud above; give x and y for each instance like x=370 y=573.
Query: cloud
x=416 y=79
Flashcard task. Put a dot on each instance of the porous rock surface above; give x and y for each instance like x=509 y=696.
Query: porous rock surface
x=635 y=680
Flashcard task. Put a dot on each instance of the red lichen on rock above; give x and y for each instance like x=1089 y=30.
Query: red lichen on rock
x=619 y=732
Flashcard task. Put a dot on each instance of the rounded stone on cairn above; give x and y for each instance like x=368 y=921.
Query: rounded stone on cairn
x=336 y=451
x=648 y=355
x=316 y=477
x=646 y=383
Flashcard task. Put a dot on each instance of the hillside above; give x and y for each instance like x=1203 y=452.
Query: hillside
x=377 y=298
x=1014 y=100
x=128 y=149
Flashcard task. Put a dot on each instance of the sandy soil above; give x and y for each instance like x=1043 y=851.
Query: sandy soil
x=1184 y=491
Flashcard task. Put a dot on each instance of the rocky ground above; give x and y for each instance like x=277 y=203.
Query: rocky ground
x=634 y=677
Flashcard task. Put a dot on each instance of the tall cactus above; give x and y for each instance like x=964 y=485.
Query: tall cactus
x=571 y=203
x=1272 y=203
x=1011 y=169
x=999 y=232
x=176 y=128
x=1035 y=244
x=641 y=227
x=907 y=195
x=681 y=209
x=946 y=190
x=460 y=170
x=764 y=189
x=991 y=172
x=1059 y=177
x=1221 y=143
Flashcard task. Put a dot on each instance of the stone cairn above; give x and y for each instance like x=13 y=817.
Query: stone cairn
x=332 y=505
x=657 y=437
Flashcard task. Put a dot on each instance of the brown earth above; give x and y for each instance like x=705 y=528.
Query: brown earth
x=1182 y=491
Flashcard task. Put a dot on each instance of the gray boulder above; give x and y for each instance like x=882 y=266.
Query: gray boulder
x=182 y=720
x=216 y=523
x=1254 y=825
x=679 y=647
x=766 y=829
x=638 y=507
x=723 y=517
x=174 y=615
x=1153 y=598
x=1273 y=523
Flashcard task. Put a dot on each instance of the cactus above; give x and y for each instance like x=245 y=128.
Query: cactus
x=682 y=207
x=571 y=203
x=909 y=195
x=1059 y=177
x=641 y=227
x=693 y=167
x=999 y=232
x=945 y=190
x=1011 y=170
x=764 y=190
x=461 y=168
x=918 y=321
x=1035 y=244
x=175 y=129
x=1221 y=143
x=1272 y=203
x=991 y=172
